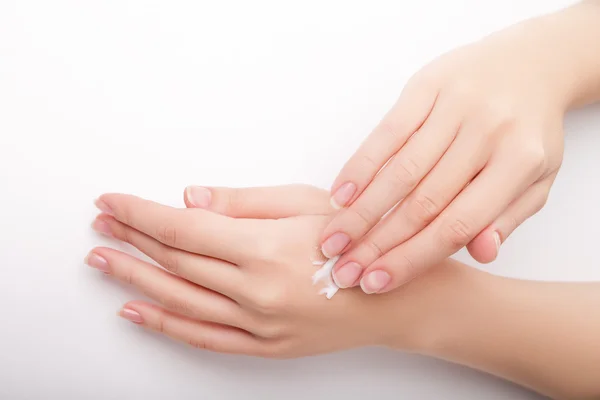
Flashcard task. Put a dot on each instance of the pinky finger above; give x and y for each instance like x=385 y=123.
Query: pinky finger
x=199 y=334
x=485 y=247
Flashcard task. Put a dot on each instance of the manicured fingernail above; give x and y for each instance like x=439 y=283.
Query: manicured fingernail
x=199 y=196
x=335 y=244
x=102 y=206
x=98 y=262
x=102 y=227
x=497 y=241
x=342 y=196
x=131 y=315
x=375 y=281
x=347 y=275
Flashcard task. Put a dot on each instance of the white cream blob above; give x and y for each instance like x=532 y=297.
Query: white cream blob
x=323 y=274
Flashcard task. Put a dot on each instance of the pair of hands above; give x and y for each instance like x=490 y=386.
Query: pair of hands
x=236 y=275
x=236 y=278
x=468 y=153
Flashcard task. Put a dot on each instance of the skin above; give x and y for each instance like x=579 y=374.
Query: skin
x=236 y=278
x=468 y=153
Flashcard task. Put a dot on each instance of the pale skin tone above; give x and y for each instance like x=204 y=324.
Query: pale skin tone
x=472 y=148
x=236 y=278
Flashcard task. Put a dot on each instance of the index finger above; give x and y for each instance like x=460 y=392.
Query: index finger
x=406 y=116
x=194 y=230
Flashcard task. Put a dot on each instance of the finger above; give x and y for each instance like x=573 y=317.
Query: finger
x=473 y=209
x=463 y=160
x=486 y=245
x=260 y=202
x=406 y=116
x=397 y=179
x=217 y=275
x=174 y=293
x=199 y=334
x=194 y=230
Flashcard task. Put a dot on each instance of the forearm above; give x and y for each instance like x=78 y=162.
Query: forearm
x=572 y=38
x=540 y=335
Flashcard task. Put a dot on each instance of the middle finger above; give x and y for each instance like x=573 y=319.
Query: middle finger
x=217 y=275
x=396 y=180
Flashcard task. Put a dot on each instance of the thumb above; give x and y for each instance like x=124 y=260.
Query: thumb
x=260 y=202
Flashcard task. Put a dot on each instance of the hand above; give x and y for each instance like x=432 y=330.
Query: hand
x=242 y=285
x=474 y=144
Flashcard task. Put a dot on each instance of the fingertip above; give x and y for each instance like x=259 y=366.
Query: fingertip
x=334 y=205
x=197 y=197
x=186 y=201
x=377 y=281
x=130 y=314
x=103 y=206
x=347 y=274
x=342 y=195
x=485 y=247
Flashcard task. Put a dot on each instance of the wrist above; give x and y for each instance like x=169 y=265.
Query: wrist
x=569 y=39
x=430 y=312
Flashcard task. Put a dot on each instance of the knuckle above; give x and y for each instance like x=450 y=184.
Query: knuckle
x=390 y=128
x=167 y=235
x=132 y=278
x=198 y=343
x=462 y=88
x=405 y=172
x=272 y=330
x=457 y=233
x=160 y=324
x=374 y=248
x=369 y=163
x=422 y=208
x=125 y=216
x=271 y=301
x=267 y=251
x=495 y=114
x=126 y=235
x=363 y=214
x=533 y=157
x=410 y=267
x=170 y=261
x=180 y=306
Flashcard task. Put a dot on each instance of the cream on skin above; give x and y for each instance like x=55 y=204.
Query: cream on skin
x=323 y=275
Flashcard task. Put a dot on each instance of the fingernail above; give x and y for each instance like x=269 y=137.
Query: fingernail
x=102 y=227
x=335 y=244
x=131 y=315
x=342 y=196
x=95 y=261
x=497 y=241
x=347 y=275
x=199 y=196
x=102 y=206
x=375 y=281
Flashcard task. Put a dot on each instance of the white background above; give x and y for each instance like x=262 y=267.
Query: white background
x=147 y=97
